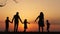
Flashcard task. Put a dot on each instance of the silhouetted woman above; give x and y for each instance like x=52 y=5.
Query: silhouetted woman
x=41 y=21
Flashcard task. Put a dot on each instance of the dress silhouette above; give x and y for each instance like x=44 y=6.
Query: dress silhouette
x=7 y=24
x=48 y=25
x=25 y=25
x=41 y=21
x=16 y=19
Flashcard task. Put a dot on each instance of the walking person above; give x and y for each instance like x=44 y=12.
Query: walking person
x=7 y=24
x=48 y=25
x=25 y=25
x=40 y=21
x=16 y=19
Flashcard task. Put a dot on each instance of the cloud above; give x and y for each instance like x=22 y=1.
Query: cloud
x=15 y=1
x=3 y=3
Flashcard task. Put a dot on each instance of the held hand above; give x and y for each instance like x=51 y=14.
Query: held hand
x=28 y=23
x=22 y=23
x=35 y=21
x=11 y=22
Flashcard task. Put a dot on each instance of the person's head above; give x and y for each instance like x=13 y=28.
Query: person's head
x=46 y=20
x=7 y=17
x=41 y=12
x=25 y=19
x=17 y=13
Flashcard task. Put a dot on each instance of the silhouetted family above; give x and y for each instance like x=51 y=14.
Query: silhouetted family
x=16 y=19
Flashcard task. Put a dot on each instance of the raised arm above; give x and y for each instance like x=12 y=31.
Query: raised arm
x=13 y=19
x=36 y=18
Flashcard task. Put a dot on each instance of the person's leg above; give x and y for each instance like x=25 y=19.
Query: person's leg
x=39 y=28
x=6 y=29
x=17 y=27
x=48 y=29
x=24 y=30
x=42 y=29
x=14 y=27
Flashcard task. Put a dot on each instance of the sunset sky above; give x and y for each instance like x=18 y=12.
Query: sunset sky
x=30 y=9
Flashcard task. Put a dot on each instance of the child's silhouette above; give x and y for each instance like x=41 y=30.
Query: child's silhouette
x=25 y=25
x=48 y=25
x=7 y=23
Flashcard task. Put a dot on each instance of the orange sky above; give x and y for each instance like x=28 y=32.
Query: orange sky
x=30 y=9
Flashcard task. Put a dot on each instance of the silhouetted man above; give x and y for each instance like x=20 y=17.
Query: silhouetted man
x=48 y=25
x=16 y=21
x=7 y=23
x=41 y=21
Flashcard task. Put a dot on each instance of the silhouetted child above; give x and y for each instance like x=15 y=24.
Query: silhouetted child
x=7 y=23
x=48 y=25
x=25 y=25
